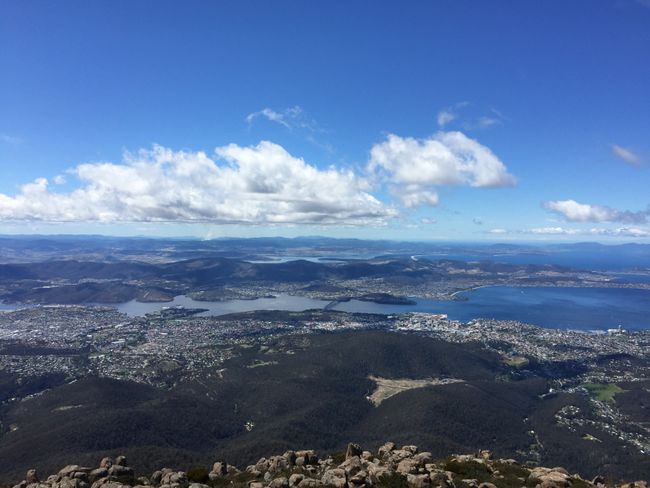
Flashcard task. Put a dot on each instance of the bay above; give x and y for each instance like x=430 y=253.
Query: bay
x=550 y=307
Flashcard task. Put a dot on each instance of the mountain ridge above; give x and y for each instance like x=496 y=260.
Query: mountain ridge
x=389 y=467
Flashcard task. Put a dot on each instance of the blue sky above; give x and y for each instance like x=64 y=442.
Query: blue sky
x=412 y=120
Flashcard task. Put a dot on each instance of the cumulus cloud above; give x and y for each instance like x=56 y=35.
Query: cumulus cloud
x=584 y=212
x=580 y=212
x=414 y=167
x=622 y=231
x=552 y=231
x=249 y=185
x=626 y=155
x=568 y=231
x=415 y=196
x=596 y=231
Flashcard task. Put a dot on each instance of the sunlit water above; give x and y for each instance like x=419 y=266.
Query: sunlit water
x=564 y=308
x=281 y=302
x=572 y=308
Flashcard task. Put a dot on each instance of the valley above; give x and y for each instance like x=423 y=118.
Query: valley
x=270 y=356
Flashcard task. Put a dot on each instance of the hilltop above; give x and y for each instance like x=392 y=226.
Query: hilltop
x=389 y=467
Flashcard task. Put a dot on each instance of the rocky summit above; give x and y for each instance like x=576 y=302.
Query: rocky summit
x=389 y=467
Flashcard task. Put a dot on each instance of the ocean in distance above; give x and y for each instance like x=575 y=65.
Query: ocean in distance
x=550 y=307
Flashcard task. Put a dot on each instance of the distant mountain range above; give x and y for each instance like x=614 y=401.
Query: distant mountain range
x=19 y=249
x=73 y=281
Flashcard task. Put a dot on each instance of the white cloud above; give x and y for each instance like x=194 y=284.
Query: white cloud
x=568 y=231
x=268 y=114
x=626 y=155
x=291 y=118
x=295 y=119
x=621 y=231
x=449 y=114
x=445 y=116
x=250 y=185
x=415 y=166
x=579 y=212
x=59 y=180
x=553 y=231
x=584 y=212
x=485 y=122
x=470 y=121
x=415 y=196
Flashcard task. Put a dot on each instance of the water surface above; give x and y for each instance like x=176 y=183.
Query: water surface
x=9 y=306
x=280 y=302
x=570 y=308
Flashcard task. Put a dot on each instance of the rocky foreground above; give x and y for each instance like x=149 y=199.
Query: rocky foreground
x=390 y=467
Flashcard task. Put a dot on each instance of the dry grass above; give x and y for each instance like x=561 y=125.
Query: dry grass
x=387 y=388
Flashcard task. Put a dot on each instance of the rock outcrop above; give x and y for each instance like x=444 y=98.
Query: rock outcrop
x=390 y=467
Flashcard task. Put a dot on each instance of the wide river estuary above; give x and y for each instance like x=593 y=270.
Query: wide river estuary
x=563 y=308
